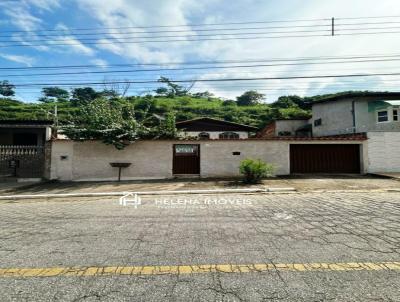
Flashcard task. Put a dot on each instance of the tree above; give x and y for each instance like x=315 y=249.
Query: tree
x=112 y=123
x=7 y=89
x=229 y=103
x=203 y=95
x=161 y=91
x=292 y=101
x=115 y=123
x=114 y=89
x=82 y=96
x=283 y=102
x=167 y=128
x=51 y=94
x=250 y=97
x=175 y=89
x=110 y=94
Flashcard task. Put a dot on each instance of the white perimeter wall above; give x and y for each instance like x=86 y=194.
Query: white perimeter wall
x=90 y=160
x=153 y=159
x=383 y=152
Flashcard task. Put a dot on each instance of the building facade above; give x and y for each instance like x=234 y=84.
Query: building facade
x=209 y=128
x=356 y=113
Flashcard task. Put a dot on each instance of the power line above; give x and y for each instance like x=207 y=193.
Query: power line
x=269 y=86
x=370 y=17
x=72 y=38
x=199 y=68
x=260 y=60
x=69 y=32
x=122 y=39
x=214 y=80
x=201 y=24
x=172 y=31
x=29 y=44
x=168 y=26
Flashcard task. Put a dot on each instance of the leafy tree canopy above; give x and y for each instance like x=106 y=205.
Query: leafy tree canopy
x=51 y=94
x=7 y=89
x=83 y=96
x=114 y=124
x=173 y=88
x=250 y=97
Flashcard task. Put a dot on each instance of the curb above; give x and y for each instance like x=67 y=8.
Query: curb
x=353 y=191
x=103 y=194
x=216 y=191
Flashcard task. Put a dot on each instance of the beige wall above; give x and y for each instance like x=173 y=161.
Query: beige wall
x=91 y=160
x=336 y=118
x=383 y=152
x=153 y=159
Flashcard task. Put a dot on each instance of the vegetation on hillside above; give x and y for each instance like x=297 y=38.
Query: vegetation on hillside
x=248 y=108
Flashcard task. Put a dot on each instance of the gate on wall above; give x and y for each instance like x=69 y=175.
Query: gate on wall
x=22 y=161
x=186 y=159
x=325 y=158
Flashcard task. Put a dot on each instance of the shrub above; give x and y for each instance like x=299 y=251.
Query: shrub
x=254 y=170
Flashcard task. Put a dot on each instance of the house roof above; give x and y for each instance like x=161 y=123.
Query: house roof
x=359 y=94
x=26 y=123
x=211 y=124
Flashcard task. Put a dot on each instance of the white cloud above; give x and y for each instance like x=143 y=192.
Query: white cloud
x=26 y=60
x=99 y=62
x=20 y=17
x=70 y=44
x=20 y=13
x=44 y=4
x=134 y=13
x=125 y=13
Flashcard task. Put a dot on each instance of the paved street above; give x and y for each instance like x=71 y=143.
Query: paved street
x=286 y=247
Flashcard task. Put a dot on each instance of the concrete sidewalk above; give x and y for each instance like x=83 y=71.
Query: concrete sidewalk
x=299 y=183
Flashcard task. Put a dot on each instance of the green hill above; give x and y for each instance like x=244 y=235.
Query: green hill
x=184 y=107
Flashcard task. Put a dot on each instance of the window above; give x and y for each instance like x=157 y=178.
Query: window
x=317 y=122
x=395 y=115
x=383 y=116
x=229 y=135
x=204 y=135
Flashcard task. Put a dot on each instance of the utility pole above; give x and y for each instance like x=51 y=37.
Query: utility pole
x=333 y=26
x=55 y=115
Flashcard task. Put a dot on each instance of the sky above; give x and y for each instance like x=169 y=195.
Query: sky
x=47 y=33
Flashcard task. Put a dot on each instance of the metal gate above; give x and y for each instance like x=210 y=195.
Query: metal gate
x=22 y=161
x=324 y=158
x=186 y=159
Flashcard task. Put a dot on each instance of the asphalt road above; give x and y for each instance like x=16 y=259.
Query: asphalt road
x=283 y=247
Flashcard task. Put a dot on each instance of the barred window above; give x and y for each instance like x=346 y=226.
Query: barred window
x=229 y=135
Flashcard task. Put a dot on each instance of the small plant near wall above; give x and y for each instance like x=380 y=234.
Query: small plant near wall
x=253 y=170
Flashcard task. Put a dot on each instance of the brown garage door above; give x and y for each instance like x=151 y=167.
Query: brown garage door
x=324 y=159
x=186 y=159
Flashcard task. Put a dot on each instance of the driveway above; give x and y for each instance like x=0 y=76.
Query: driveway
x=286 y=247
